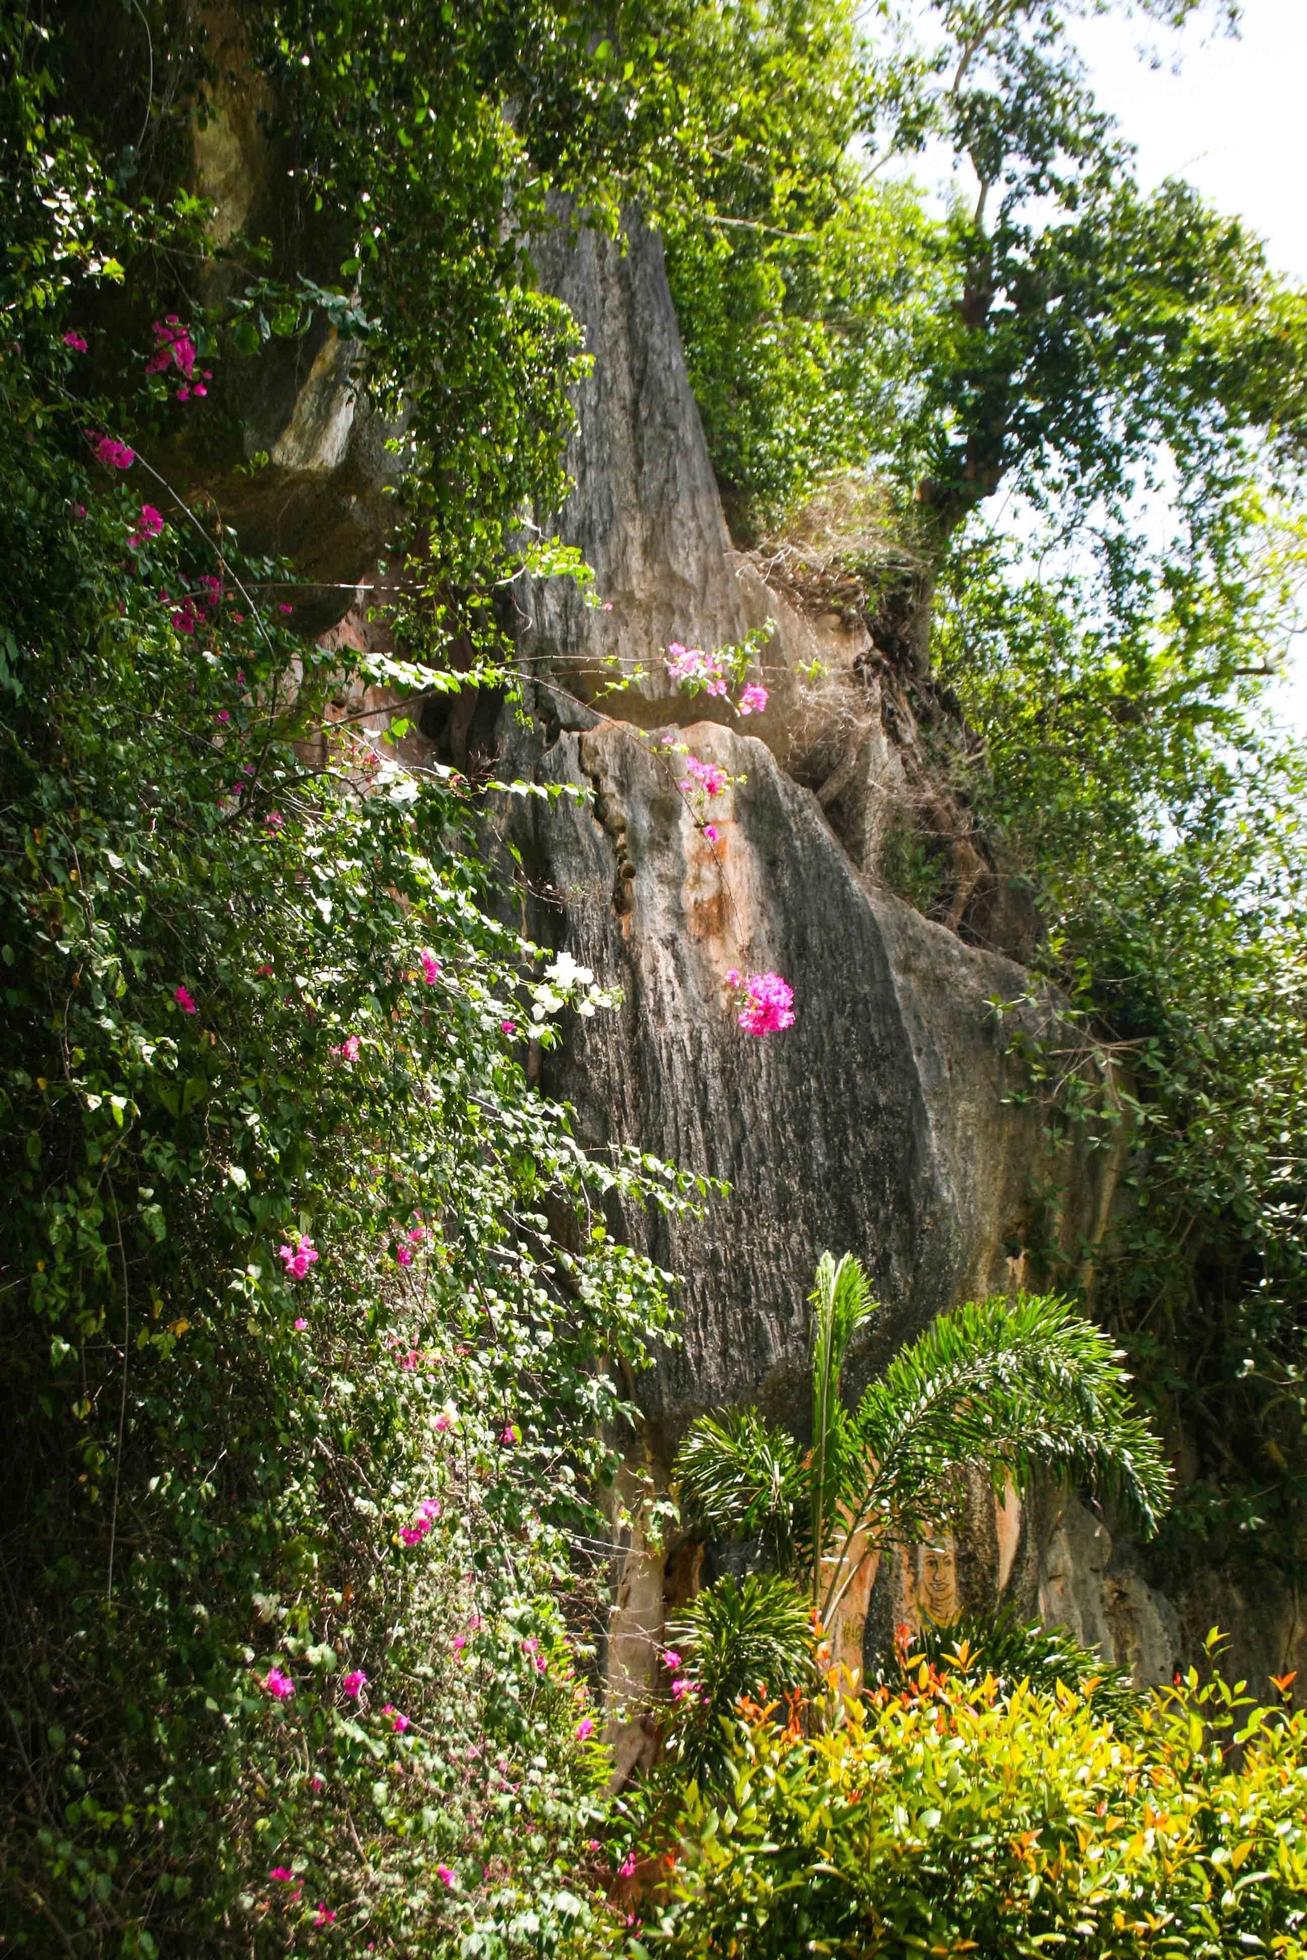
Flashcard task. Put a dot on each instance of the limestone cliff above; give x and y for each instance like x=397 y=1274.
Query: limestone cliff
x=888 y=1121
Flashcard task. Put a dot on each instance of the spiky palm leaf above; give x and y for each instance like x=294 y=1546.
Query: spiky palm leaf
x=841 y=1302
x=741 y=1478
x=1010 y=1386
x=750 y=1636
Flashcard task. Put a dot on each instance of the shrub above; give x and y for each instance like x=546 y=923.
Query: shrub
x=950 y=1817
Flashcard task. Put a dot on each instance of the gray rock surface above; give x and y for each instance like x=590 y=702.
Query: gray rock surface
x=889 y=1120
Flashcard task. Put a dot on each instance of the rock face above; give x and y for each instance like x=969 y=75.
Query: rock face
x=887 y=1121
x=884 y=1121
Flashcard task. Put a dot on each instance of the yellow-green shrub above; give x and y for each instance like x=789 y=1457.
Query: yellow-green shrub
x=950 y=1819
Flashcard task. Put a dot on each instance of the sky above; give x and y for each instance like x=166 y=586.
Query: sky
x=1228 y=115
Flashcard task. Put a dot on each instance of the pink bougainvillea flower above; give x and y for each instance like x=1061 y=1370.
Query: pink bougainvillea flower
x=444 y=1874
x=627 y=1867
x=184 y=1000
x=404 y=1255
x=284 y=608
x=183 y=393
x=413 y=1534
x=297 y=1258
x=711 y=832
x=263 y=972
x=458 y=1643
x=585 y=1728
x=769 y=1006
x=416 y=1234
x=115 y=455
x=301 y=1324
x=508 y=1027
x=510 y=1434
x=410 y=1361
x=238 y=619
x=354 y=1683
x=323 y=1917
x=443 y=1420
x=283 y=1874
x=75 y=340
x=150 y=522
x=273 y=820
x=348 y=1049
x=223 y=715
x=399 y=1723
x=705 y=776
x=173 y=347
x=199 y=389
x=671 y=1659
x=429 y=1507
x=185 y=618
x=753 y=699
x=431 y=968
x=317 y=1784
x=278 y=1685
x=684 y=1689
x=692 y=667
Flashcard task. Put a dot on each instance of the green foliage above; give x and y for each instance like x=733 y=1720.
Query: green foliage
x=750 y=1637
x=256 y=992
x=1131 y=781
x=975 y=1645
x=956 y=1816
x=1062 y=335
x=1128 y=373
x=1013 y=1386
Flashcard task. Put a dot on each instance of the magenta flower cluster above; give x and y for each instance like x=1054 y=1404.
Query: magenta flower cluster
x=765 y=1002
x=705 y=673
x=692 y=667
x=174 y=348
x=298 y=1257
x=428 y=1512
x=705 y=776
x=194 y=608
x=113 y=454
x=148 y=525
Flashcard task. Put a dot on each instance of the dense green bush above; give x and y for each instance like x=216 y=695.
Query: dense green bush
x=312 y=1322
x=946 y=1816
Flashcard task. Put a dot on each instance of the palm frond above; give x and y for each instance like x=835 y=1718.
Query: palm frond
x=750 y=1636
x=739 y=1477
x=841 y=1301
x=1014 y=1386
